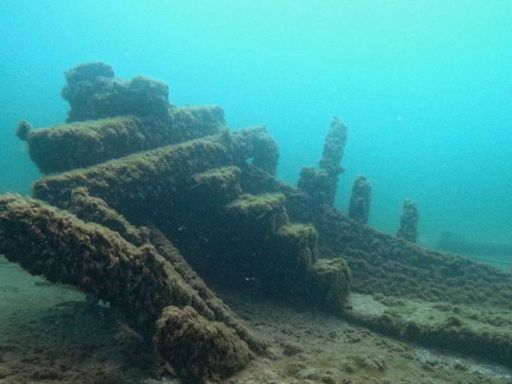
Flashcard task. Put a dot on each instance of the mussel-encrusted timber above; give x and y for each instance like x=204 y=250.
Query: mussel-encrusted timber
x=139 y=281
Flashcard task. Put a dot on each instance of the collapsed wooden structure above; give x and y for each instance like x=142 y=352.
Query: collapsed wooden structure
x=142 y=197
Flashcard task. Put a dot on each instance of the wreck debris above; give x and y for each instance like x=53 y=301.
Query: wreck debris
x=138 y=182
x=169 y=191
x=217 y=185
x=163 y=186
x=95 y=210
x=191 y=122
x=315 y=182
x=23 y=130
x=137 y=280
x=382 y=263
x=278 y=256
x=322 y=183
x=255 y=144
x=53 y=243
x=93 y=92
x=333 y=154
x=265 y=211
x=111 y=118
x=221 y=311
x=359 y=208
x=330 y=277
x=215 y=352
x=409 y=221
x=86 y=143
x=147 y=181
x=460 y=327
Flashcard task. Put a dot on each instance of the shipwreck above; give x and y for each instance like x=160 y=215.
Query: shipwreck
x=143 y=204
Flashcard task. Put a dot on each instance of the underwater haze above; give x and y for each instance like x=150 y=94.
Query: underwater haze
x=425 y=88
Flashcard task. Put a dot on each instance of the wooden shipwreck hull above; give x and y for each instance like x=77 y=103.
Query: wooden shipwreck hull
x=149 y=193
